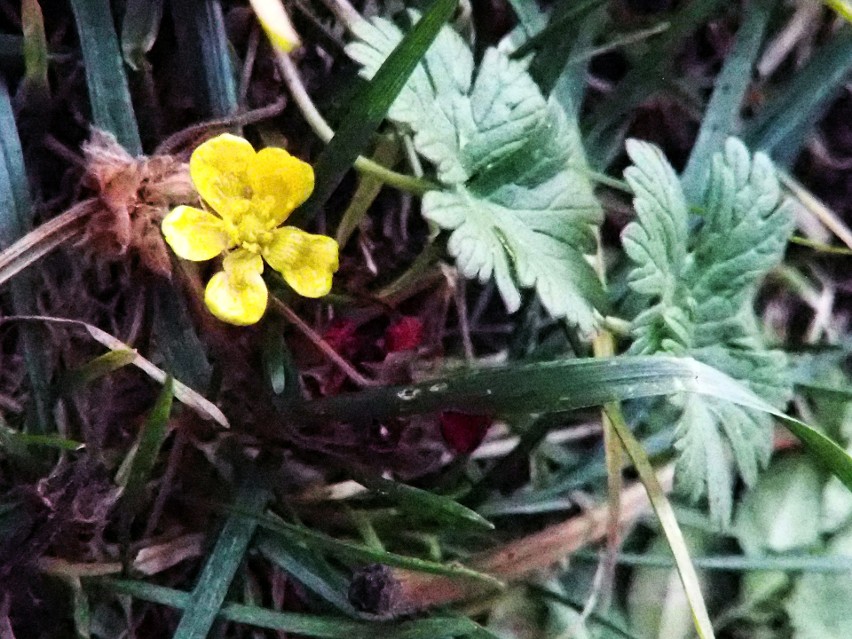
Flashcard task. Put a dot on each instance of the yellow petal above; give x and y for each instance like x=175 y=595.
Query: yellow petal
x=195 y=234
x=219 y=170
x=280 y=183
x=306 y=261
x=238 y=294
x=271 y=14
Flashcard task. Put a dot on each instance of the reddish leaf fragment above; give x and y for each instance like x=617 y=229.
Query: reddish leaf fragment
x=463 y=432
x=404 y=334
x=342 y=336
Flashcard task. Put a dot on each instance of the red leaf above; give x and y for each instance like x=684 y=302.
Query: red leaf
x=463 y=432
x=404 y=334
x=342 y=336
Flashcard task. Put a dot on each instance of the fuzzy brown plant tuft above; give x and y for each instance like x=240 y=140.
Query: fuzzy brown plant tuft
x=135 y=194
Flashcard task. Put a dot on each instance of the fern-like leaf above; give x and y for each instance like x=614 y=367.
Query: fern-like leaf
x=517 y=203
x=657 y=242
x=700 y=289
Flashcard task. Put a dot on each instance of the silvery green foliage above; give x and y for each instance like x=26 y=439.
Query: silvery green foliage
x=517 y=202
x=817 y=605
x=699 y=276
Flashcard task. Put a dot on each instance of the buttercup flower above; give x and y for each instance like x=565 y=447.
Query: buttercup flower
x=252 y=193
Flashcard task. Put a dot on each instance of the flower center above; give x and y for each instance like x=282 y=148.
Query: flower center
x=254 y=240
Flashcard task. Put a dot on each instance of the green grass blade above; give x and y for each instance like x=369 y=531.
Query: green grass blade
x=370 y=105
x=16 y=218
x=95 y=369
x=9 y=435
x=594 y=617
x=780 y=128
x=203 y=45
x=722 y=117
x=200 y=29
x=109 y=95
x=561 y=21
x=35 y=50
x=279 y=367
x=308 y=568
x=553 y=386
x=221 y=566
x=136 y=469
x=422 y=504
x=326 y=627
x=139 y=30
x=570 y=84
x=178 y=340
x=356 y=553
x=565 y=385
x=740 y=563
x=604 y=140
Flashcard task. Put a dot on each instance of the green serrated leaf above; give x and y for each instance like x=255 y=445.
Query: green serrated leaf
x=745 y=227
x=371 y=105
x=518 y=205
x=657 y=244
x=700 y=287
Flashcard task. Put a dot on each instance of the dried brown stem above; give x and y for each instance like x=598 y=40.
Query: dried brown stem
x=189 y=134
x=42 y=240
x=288 y=313
x=521 y=558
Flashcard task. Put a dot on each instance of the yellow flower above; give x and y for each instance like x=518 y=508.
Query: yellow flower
x=252 y=193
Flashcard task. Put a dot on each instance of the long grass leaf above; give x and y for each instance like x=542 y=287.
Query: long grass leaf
x=722 y=116
x=109 y=95
x=35 y=50
x=197 y=402
x=94 y=369
x=40 y=241
x=326 y=627
x=16 y=218
x=565 y=385
x=179 y=342
x=139 y=30
x=781 y=126
x=308 y=568
x=370 y=105
x=423 y=504
x=740 y=563
x=200 y=29
x=227 y=555
x=648 y=76
x=357 y=553
x=136 y=469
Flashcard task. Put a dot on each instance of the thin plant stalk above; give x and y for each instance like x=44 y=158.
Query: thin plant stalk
x=324 y=132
